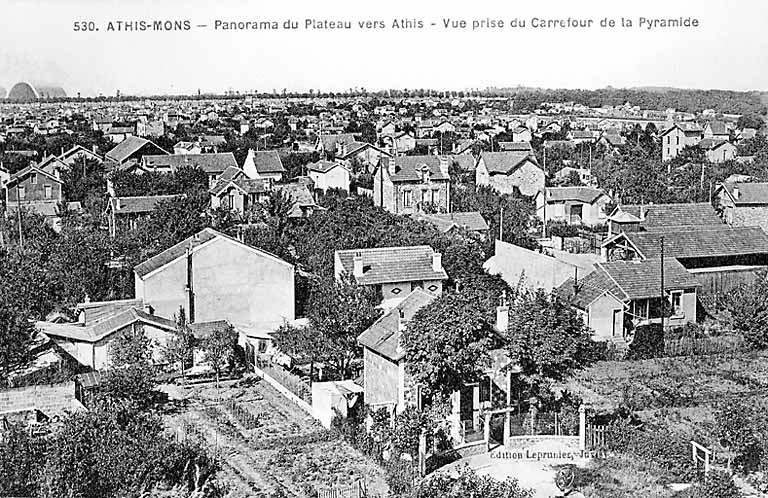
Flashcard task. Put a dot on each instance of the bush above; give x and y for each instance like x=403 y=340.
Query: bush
x=648 y=342
x=717 y=484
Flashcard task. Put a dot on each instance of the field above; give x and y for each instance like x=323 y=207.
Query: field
x=266 y=444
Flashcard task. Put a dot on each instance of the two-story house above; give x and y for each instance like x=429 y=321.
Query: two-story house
x=35 y=190
x=329 y=175
x=678 y=137
x=409 y=184
x=572 y=205
x=507 y=171
x=393 y=272
x=264 y=164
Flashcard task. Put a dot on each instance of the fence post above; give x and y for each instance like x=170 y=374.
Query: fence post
x=422 y=453
x=582 y=428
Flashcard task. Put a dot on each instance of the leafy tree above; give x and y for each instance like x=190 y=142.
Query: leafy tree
x=469 y=484
x=303 y=344
x=447 y=342
x=130 y=347
x=751 y=120
x=219 y=349
x=339 y=311
x=21 y=457
x=748 y=309
x=15 y=337
x=179 y=349
x=548 y=339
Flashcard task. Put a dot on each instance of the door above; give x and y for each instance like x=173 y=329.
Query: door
x=576 y=214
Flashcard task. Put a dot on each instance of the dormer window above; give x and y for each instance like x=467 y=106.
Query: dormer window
x=34 y=179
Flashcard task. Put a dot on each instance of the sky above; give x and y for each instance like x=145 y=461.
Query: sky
x=728 y=50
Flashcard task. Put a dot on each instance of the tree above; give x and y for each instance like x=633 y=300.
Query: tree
x=750 y=120
x=339 y=311
x=469 y=484
x=15 y=337
x=303 y=344
x=748 y=309
x=447 y=342
x=130 y=347
x=21 y=457
x=179 y=349
x=548 y=339
x=219 y=349
x=130 y=381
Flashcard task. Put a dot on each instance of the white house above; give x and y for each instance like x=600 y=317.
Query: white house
x=329 y=174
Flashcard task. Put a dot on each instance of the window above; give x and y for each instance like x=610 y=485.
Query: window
x=407 y=198
x=668 y=140
x=678 y=140
x=34 y=179
x=231 y=201
x=639 y=309
x=485 y=390
x=47 y=191
x=22 y=193
x=676 y=298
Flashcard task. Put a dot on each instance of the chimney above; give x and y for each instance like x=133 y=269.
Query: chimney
x=437 y=261
x=444 y=165
x=391 y=166
x=148 y=309
x=400 y=320
x=502 y=314
x=736 y=192
x=357 y=268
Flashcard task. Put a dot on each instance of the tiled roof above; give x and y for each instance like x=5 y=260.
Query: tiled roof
x=299 y=194
x=323 y=166
x=516 y=147
x=407 y=167
x=392 y=264
x=581 y=194
x=247 y=185
x=210 y=163
x=268 y=161
x=127 y=148
x=175 y=251
x=506 y=162
x=471 y=220
x=749 y=193
x=29 y=170
x=384 y=335
x=329 y=141
x=661 y=216
x=703 y=243
x=711 y=143
x=101 y=329
x=718 y=128
x=201 y=330
x=138 y=204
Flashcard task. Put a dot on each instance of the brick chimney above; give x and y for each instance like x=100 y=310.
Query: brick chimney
x=437 y=262
x=357 y=268
x=400 y=328
x=444 y=165
x=736 y=192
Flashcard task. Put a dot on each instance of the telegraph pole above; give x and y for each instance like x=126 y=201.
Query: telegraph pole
x=663 y=294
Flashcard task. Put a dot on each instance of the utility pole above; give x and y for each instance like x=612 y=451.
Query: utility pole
x=501 y=223
x=18 y=214
x=663 y=294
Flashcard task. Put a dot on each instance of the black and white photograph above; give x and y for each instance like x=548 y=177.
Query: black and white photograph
x=339 y=249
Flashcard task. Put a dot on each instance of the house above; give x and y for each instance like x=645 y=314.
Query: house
x=404 y=142
x=147 y=128
x=328 y=144
x=661 y=217
x=302 y=202
x=215 y=277
x=534 y=270
x=584 y=175
x=572 y=205
x=581 y=136
x=521 y=134
x=264 y=164
x=717 y=131
x=408 y=184
x=124 y=213
x=212 y=164
x=721 y=258
x=746 y=134
x=521 y=147
x=187 y=148
x=329 y=174
x=130 y=151
x=235 y=191
x=119 y=133
x=507 y=171
x=89 y=341
x=717 y=150
x=617 y=297
x=471 y=221
x=35 y=190
x=678 y=137
x=77 y=154
x=743 y=204
x=364 y=154
x=393 y=272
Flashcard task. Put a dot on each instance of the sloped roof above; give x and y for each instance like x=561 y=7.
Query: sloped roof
x=703 y=243
x=749 y=193
x=29 y=170
x=516 y=147
x=471 y=220
x=384 y=335
x=215 y=163
x=323 y=166
x=138 y=204
x=407 y=168
x=127 y=148
x=392 y=264
x=103 y=328
x=329 y=141
x=581 y=194
x=718 y=128
x=660 y=216
x=267 y=161
x=712 y=143
x=201 y=330
x=506 y=162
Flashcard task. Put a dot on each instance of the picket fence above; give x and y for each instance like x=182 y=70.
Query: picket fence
x=356 y=490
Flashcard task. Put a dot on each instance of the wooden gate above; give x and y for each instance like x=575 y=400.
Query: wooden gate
x=356 y=490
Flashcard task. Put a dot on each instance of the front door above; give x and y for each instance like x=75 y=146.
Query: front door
x=576 y=214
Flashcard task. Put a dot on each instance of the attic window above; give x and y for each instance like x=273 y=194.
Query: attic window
x=396 y=291
x=432 y=288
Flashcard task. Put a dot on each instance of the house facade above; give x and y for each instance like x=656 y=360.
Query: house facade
x=507 y=171
x=329 y=175
x=409 y=184
x=265 y=164
x=678 y=137
x=743 y=204
x=214 y=277
x=572 y=205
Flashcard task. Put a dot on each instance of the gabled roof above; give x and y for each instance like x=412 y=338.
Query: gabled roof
x=392 y=264
x=717 y=128
x=323 y=166
x=210 y=163
x=175 y=252
x=407 y=168
x=138 y=204
x=21 y=174
x=383 y=336
x=471 y=220
x=267 y=161
x=506 y=162
x=657 y=217
x=329 y=141
x=103 y=328
x=79 y=149
x=300 y=197
x=685 y=127
x=125 y=149
x=587 y=195
x=709 y=242
x=749 y=193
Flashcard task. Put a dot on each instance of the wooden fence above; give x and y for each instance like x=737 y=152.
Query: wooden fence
x=356 y=490
x=686 y=346
x=595 y=437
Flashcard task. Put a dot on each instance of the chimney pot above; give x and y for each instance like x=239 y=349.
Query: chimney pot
x=736 y=192
x=437 y=262
x=357 y=270
x=502 y=317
